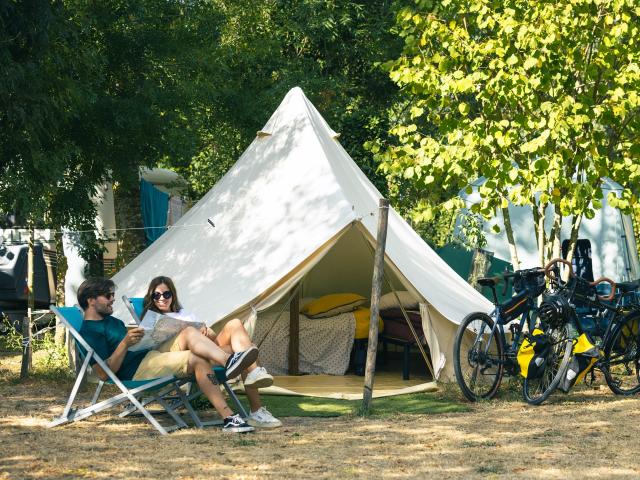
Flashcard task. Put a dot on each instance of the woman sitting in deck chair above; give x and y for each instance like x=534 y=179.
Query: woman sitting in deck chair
x=187 y=353
x=162 y=297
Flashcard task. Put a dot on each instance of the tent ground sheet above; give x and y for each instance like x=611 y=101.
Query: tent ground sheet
x=347 y=387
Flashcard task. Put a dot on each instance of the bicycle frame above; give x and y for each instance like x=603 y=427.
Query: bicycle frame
x=613 y=314
x=528 y=316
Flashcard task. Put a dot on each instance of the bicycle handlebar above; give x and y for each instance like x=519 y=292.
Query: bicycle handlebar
x=612 y=295
x=549 y=266
x=505 y=276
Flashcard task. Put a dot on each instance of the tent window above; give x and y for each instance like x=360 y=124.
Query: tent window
x=582 y=263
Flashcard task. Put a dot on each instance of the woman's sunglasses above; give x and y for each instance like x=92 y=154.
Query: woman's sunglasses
x=166 y=295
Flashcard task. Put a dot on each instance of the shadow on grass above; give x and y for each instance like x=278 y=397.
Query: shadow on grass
x=417 y=404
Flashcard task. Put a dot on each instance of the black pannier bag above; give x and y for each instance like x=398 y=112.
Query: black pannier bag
x=532 y=280
x=515 y=307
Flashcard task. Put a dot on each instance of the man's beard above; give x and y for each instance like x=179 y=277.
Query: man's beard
x=104 y=310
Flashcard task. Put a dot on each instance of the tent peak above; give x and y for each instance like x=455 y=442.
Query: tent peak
x=296 y=110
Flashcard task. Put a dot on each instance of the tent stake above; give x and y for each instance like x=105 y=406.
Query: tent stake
x=376 y=287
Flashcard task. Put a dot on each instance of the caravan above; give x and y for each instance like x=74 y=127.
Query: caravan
x=606 y=243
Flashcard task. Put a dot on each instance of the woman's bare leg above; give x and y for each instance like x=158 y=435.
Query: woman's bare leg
x=233 y=337
x=234 y=334
x=202 y=368
x=191 y=339
x=252 y=393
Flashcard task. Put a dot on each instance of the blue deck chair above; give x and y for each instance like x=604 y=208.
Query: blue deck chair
x=139 y=393
x=135 y=306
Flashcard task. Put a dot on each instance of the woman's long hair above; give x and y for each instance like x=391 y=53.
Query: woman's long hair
x=148 y=302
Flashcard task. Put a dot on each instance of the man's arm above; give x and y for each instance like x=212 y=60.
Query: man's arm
x=134 y=335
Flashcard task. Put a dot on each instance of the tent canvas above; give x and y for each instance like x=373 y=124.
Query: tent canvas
x=288 y=200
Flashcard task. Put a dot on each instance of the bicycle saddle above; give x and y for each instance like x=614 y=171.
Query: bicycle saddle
x=489 y=281
x=626 y=287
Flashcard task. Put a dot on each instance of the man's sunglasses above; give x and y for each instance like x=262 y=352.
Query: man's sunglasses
x=166 y=295
x=109 y=295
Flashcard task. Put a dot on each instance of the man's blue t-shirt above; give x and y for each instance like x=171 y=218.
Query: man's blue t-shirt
x=104 y=336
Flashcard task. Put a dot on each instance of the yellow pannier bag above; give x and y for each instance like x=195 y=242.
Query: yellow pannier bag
x=629 y=329
x=584 y=356
x=533 y=353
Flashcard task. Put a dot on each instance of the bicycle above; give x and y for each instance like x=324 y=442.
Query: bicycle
x=482 y=353
x=577 y=304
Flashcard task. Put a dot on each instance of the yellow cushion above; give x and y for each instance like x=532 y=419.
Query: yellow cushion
x=334 y=304
x=363 y=316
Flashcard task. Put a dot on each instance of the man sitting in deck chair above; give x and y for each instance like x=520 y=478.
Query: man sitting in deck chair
x=187 y=353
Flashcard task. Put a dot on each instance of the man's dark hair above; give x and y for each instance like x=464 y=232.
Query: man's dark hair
x=93 y=288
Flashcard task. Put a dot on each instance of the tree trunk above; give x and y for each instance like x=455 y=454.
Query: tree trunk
x=479 y=267
x=573 y=239
x=26 y=321
x=553 y=239
x=556 y=251
x=538 y=211
x=61 y=271
x=506 y=218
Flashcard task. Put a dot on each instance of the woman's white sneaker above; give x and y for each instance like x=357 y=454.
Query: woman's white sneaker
x=262 y=418
x=258 y=378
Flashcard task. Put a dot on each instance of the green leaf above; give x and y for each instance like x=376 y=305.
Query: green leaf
x=530 y=63
x=512 y=60
x=409 y=172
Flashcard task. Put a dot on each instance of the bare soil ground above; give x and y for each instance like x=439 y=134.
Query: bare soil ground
x=587 y=434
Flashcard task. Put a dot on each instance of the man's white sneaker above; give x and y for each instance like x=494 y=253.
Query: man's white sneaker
x=262 y=418
x=258 y=378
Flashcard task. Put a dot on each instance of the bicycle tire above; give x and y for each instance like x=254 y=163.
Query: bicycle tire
x=621 y=363
x=537 y=390
x=474 y=352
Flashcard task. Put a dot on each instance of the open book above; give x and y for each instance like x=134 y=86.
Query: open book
x=158 y=328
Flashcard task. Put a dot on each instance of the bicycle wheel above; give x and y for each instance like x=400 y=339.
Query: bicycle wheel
x=478 y=357
x=537 y=390
x=620 y=362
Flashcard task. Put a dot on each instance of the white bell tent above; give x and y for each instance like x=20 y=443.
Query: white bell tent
x=295 y=206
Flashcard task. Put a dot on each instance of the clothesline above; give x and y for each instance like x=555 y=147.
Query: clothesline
x=114 y=230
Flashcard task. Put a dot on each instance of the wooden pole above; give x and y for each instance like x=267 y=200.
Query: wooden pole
x=376 y=287
x=294 y=333
x=26 y=321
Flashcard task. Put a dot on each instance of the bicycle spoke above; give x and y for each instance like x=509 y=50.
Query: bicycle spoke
x=620 y=363
x=537 y=390
x=477 y=354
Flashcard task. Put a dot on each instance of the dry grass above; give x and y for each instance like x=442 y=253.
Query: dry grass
x=588 y=434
